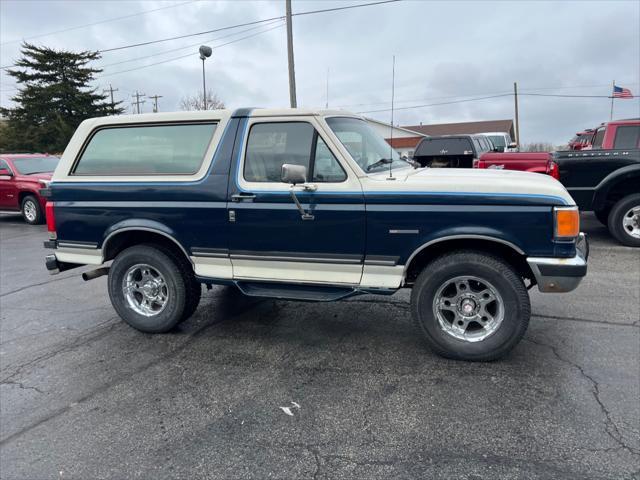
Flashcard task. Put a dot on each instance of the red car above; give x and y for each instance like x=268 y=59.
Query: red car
x=21 y=178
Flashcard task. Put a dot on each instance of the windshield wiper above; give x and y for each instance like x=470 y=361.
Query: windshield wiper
x=382 y=161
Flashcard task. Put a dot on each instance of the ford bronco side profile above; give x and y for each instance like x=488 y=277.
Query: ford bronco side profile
x=306 y=205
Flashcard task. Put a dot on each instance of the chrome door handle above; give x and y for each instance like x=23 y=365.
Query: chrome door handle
x=241 y=197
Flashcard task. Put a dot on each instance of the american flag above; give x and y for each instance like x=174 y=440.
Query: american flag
x=619 y=92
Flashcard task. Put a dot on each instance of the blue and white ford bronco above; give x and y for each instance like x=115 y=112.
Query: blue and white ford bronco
x=306 y=205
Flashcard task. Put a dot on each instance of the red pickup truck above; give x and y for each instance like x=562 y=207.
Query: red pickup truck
x=537 y=162
x=616 y=135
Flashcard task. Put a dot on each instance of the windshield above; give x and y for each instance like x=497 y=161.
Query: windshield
x=369 y=150
x=30 y=165
x=497 y=140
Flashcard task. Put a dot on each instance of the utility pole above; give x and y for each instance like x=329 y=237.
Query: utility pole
x=613 y=87
x=155 y=102
x=110 y=90
x=292 y=73
x=515 y=97
x=138 y=102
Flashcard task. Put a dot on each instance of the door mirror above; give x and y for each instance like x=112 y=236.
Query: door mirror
x=513 y=145
x=294 y=174
x=5 y=172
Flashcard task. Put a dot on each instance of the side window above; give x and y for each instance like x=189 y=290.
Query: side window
x=627 y=137
x=270 y=145
x=597 y=138
x=326 y=167
x=478 y=145
x=177 y=149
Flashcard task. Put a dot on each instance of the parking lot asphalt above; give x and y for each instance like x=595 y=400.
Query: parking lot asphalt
x=82 y=395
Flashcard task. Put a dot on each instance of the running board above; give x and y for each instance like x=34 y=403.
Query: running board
x=309 y=293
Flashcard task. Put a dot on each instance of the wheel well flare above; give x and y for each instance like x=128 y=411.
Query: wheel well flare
x=493 y=247
x=120 y=240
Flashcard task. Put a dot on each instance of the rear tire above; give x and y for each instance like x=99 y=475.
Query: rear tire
x=31 y=211
x=624 y=220
x=152 y=289
x=478 y=290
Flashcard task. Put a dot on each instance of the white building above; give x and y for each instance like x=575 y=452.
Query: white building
x=403 y=141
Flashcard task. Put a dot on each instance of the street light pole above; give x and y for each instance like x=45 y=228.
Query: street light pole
x=204 y=87
x=205 y=52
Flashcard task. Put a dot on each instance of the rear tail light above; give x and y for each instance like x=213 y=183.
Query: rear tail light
x=553 y=170
x=566 y=222
x=51 y=220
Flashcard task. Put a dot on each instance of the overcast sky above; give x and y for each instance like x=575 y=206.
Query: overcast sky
x=445 y=51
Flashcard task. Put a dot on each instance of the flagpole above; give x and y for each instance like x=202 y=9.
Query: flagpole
x=613 y=89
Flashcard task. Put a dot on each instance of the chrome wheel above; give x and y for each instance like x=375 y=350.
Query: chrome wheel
x=30 y=210
x=468 y=308
x=631 y=222
x=145 y=290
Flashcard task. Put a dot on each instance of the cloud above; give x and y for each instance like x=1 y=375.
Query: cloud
x=442 y=49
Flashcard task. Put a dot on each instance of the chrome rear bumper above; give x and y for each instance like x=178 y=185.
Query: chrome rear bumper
x=560 y=275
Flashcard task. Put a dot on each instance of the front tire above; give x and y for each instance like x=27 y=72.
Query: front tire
x=470 y=306
x=31 y=211
x=624 y=220
x=151 y=289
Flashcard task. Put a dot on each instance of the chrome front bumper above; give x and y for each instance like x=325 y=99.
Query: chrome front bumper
x=560 y=275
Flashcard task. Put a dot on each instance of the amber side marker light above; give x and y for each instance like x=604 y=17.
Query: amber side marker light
x=567 y=222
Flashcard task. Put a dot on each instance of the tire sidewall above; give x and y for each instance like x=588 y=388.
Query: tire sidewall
x=616 y=217
x=173 y=311
x=32 y=199
x=508 y=333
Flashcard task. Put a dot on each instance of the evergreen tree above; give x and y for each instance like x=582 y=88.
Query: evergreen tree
x=54 y=96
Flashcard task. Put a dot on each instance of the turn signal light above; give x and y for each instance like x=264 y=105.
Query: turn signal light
x=567 y=222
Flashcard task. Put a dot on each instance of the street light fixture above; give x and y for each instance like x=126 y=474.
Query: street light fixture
x=205 y=52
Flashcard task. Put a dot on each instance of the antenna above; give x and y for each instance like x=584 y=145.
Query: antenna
x=393 y=91
x=327 y=104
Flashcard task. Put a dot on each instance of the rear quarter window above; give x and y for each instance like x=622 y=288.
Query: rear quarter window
x=627 y=137
x=162 y=149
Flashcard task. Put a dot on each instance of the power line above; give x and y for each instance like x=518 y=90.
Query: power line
x=520 y=91
x=188 y=54
x=181 y=48
x=97 y=23
x=565 y=96
x=442 y=103
x=488 y=97
x=244 y=25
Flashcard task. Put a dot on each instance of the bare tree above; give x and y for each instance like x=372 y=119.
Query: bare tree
x=538 y=147
x=194 y=102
